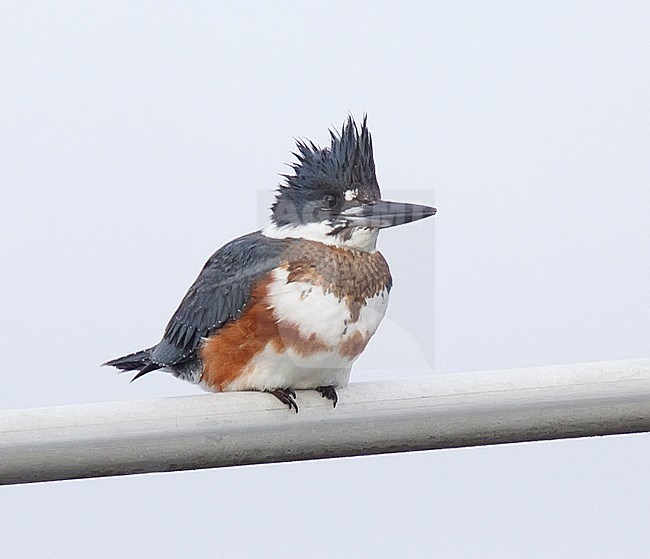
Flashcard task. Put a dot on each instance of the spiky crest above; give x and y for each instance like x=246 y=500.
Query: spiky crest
x=348 y=160
x=346 y=166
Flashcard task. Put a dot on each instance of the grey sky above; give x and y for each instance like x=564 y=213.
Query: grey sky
x=138 y=137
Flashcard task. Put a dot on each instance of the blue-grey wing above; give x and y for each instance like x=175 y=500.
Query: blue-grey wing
x=219 y=294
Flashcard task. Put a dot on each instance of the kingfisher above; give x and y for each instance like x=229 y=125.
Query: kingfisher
x=290 y=307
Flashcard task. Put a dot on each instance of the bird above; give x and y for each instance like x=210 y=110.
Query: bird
x=293 y=305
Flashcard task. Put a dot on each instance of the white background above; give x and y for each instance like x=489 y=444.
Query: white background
x=138 y=137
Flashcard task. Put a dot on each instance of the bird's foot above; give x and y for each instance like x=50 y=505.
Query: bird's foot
x=329 y=392
x=286 y=396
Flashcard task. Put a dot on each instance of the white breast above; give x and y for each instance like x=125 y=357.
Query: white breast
x=321 y=314
x=323 y=320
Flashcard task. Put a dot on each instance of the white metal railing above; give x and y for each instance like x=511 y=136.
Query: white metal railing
x=209 y=431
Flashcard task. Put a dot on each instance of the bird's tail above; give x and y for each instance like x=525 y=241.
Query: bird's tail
x=139 y=361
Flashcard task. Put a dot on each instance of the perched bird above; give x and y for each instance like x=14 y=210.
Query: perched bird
x=291 y=306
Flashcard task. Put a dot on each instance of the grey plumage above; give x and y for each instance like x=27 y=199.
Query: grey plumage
x=219 y=294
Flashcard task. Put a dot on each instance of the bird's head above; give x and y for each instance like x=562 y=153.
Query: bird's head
x=333 y=195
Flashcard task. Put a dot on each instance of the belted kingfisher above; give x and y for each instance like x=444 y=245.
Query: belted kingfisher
x=291 y=306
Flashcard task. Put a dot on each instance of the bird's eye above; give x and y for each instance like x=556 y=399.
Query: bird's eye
x=328 y=201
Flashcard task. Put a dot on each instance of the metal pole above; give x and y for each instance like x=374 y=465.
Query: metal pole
x=215 y=430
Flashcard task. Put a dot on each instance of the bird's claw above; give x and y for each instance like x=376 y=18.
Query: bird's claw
x=286 y=396
x=329 y=392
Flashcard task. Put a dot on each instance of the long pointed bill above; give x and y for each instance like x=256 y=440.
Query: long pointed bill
x=382 y=214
